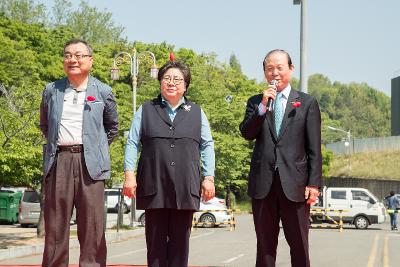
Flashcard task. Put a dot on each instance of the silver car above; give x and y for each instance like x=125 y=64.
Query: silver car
x=29 y=209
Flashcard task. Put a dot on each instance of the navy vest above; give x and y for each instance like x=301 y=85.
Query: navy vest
x=168 y=174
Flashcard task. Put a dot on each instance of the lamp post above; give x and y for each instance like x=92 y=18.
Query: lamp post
x=347 y=143
x=133 y=60
x=348 y=134
x=303 y=42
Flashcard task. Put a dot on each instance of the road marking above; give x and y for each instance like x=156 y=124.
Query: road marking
x=386 y=252
x=205 y=234
x=233 y=259
x=144 y=249
x=126 y=253
x=372 y=256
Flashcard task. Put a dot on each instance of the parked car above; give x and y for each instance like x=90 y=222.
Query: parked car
x=362 y=207
x=111 y=196
x=29 y=209
x=212 y=213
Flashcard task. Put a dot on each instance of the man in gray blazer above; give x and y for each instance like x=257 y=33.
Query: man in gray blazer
x=78 y=117
x=286 y=165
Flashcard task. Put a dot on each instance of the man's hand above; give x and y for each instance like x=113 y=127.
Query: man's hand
x=207 y=188
x=270 y=92
x=130 y=185
x=311 y=194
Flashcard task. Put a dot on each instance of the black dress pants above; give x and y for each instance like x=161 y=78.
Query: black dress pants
x=267 y=213
x=167 y=237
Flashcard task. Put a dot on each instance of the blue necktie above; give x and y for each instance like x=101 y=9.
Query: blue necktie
x=278 y=113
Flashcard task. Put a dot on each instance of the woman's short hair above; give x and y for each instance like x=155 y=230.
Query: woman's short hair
x=177 y=65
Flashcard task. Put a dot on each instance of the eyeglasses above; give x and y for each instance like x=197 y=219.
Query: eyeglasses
x=76 y=56
x=176 y=80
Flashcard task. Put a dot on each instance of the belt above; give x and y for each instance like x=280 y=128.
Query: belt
x=72 y=149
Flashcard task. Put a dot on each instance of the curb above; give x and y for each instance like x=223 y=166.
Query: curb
x=20 y=251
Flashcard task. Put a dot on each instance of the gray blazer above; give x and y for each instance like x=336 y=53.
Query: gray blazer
x=100 y=125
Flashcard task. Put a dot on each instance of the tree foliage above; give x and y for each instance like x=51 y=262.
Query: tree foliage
x=31 y=56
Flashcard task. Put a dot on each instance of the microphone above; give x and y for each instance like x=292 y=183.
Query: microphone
x=270 y=100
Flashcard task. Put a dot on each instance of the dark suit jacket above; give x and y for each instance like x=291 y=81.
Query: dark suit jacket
x=296 y=152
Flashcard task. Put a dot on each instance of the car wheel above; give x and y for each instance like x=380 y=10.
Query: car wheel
x=208 y=220
x=361 y=222
x=142 y=219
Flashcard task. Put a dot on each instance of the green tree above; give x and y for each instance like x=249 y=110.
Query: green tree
x=27 y=11
x=93 y=25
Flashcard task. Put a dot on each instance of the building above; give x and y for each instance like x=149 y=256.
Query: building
x=395 y=126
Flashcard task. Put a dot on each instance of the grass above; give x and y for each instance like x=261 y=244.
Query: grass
x=243 y=205
x=377 y=165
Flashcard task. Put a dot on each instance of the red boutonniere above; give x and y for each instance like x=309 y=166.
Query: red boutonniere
x=90 y=98
x=296 y=104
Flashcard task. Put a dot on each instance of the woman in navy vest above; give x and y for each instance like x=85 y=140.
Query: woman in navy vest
x=176 y=147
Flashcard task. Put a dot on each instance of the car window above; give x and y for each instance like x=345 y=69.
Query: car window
x=31 y=196
x=113 y=193
x=338 y=194
x=360 y=195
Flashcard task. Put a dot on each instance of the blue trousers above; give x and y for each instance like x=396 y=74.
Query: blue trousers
x=393 y=220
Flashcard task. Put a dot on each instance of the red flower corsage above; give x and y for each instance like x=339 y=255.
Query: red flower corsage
x=296 y=104
x=90 y=98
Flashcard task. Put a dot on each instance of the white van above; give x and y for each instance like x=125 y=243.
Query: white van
x=362 y=207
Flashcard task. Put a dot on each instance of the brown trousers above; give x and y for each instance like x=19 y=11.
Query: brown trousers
x=69 y=184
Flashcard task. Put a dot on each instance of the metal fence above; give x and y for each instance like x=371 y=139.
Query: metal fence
x=380 y=188
x=365 y=145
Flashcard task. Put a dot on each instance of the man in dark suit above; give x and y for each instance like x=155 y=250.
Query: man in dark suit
x=286 y=164
x=78 y=117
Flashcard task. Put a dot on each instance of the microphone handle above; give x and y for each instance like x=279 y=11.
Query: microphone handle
x=270 y=102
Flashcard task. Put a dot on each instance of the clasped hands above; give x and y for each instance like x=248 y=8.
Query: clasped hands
x=130 y=185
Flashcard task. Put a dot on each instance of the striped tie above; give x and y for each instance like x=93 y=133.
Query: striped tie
x=278 y=113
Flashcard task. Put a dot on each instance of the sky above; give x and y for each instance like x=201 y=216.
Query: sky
x=348 y=40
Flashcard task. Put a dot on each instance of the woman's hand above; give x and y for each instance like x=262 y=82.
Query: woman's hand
x=130 y=185
x=207 y=188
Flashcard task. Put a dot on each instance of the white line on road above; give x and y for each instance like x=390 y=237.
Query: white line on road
x=372 y=256
x=144 y=249
x=233 y=259
x=205 y=234
x=126 y=253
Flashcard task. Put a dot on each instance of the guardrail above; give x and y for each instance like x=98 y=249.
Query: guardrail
x=231 y=222
x=336 y=224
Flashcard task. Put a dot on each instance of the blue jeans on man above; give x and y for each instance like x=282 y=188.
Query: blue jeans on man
x=393 y=220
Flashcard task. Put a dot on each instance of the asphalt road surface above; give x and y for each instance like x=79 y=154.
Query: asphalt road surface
x=377 y=246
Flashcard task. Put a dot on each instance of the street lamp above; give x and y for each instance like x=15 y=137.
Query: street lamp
x=133 y=59
x=303 y=42
x=348 y=142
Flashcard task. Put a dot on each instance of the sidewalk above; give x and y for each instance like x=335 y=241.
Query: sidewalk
x=17 y=241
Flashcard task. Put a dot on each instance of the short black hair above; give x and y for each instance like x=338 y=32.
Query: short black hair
x=78 y=41
x=177 y=65
x=392 y=193
x=278 y=51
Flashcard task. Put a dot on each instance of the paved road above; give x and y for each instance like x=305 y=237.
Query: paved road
x=374 y=247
